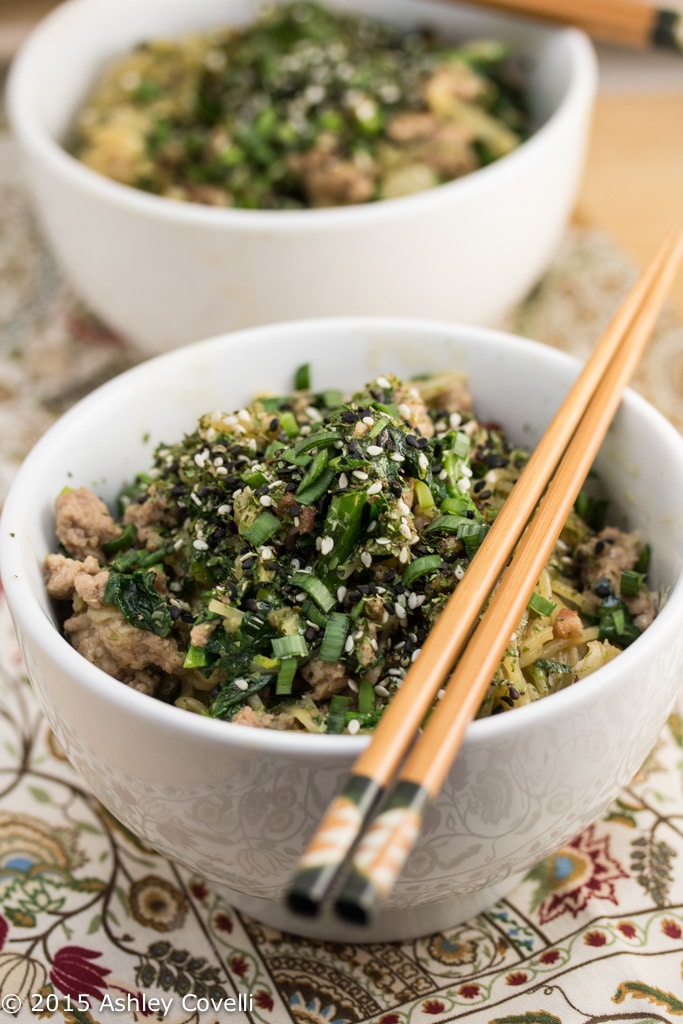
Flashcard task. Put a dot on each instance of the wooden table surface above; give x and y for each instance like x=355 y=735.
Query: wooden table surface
x=633 y=182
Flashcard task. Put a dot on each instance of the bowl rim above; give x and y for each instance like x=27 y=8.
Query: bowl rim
x=28 y=611
x=28 y=129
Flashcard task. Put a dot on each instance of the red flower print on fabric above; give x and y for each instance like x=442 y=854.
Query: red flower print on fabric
x=595 y=939
x=74 y=973
x=263 y=1000
x=469 y=991
x=433 y=1006
x=627 y=929
x=577 y=874
x=671 y=928
x=517 y=978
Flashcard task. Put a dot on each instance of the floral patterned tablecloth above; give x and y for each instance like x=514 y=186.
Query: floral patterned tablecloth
x=96 y=927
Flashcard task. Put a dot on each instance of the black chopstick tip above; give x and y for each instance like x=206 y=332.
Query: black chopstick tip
x=356 y=899
x=351 y=912
x=302 y=904
x=667 y=30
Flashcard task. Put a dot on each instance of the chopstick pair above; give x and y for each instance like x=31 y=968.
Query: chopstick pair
x=546 y=491
x=625 y=22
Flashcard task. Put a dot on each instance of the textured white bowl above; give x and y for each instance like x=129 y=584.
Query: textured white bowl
x=165 y=273
x=238 y=804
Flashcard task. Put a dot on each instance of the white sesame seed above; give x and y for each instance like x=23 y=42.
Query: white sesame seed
x=343 y=482
x=352 y=685
x=383 y=542
x=416 y=653
x=404 y=411
x=403 y=556
x=244 y=416
x=369 y=421
x=374 y=488
x=221 y=471
x=464 y=485
x=383 y=382
x=241 y=684
x=359 y=474
x=440 y=694
x=341 y=594
x=348 y=645
x=300 y=597
x=326 y=545
x=178 y=544
x=195 y=499
x=402 y=507
x=265 y=500
x=443 y=475
x=412 y=600
x=454 y=420
x=458 y=572
x=354 y=726
x=423 y=462
x=313 y=413
x=381 y=691
x=374 y=449
x=200 y=545
x=405 y=530
x=399 y=611
x=397 y=457
x=366 y=559
x=267 y=554
x=224 y=510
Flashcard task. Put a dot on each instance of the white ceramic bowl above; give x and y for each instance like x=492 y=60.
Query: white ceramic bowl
x=236 y=803
x=166 y=273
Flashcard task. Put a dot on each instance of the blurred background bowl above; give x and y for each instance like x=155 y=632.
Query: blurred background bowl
x=237 y=804
x=163 y=272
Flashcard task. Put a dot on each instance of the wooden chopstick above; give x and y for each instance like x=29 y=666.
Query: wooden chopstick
x=385 y=846
x=395 y=733
x=626 y=22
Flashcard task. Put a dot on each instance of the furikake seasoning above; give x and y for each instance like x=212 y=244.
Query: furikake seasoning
x=282 y=565
x=306 y=107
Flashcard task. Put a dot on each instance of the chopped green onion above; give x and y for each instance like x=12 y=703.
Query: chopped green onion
x=425 y=564
x=310 y=610
x=316 y=589
x=366 y=697
x=379 y=425
x=461 y=445
x=123 y=541
x=343 y=523
x=334 y=638
x=285 y=677
x=289 y=424
x=643 y=563
x=262 y=529
x=332 y=398
x=293 y=646
x=302 y=377
x=541 y=605
x=449 y=524
x=316 y=468
x=317 y=439
x=425 y=498
x=196 y=657
x=631 y=582
x=316 y=489
x=591 y=510
x=336 y=715
x=256 y=480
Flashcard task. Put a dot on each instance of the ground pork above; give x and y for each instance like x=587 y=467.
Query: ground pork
x=61 y=572
x=84 y=523
x=146 y=516
x=325 y=678
x=606 y=557
x=105 y=638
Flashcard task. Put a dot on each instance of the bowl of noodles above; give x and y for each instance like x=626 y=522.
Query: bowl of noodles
x=210 y=166
x=217 y=599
